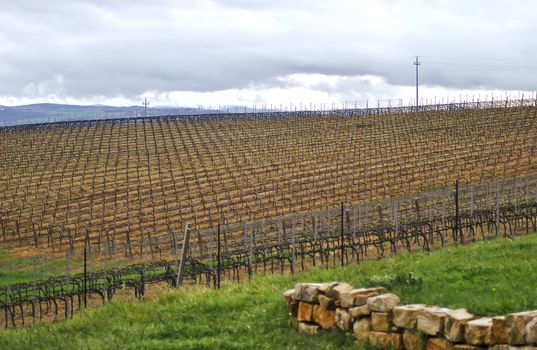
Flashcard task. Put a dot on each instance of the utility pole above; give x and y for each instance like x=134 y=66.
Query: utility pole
x=417 y=63
x=145 y=106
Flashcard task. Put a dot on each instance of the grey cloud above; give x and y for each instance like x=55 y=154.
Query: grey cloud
x=118 y=48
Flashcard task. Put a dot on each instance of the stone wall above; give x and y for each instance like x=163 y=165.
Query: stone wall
x=378 y=317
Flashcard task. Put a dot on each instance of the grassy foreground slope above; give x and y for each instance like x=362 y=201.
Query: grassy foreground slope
x=487 y=278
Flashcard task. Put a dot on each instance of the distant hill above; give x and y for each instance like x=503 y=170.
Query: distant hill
x=48 y=112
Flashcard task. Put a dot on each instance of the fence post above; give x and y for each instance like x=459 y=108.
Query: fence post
x=46 y=267
x=497 y=209
x=250 y=251
x=85 y=271
x=396 y=220
x=535 y=194
x=314 y=221
x=456 y=209
x=443 y=214
x=181 y=268
x=34 y=290
x=218 y=258
x=342 y=234
x=106 y=252
x=8 y=296
x=472 y=201
x=67 y=284
x=293 y=242
x=353 y=233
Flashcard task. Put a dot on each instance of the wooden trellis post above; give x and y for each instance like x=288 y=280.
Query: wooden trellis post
x=180 y=270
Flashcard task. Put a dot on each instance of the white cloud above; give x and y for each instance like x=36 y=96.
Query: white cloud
x=245 y=52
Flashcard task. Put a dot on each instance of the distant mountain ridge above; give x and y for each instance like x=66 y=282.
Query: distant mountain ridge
x=50 y=112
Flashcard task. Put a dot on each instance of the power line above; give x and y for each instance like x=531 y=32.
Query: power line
x=483 y=60
x=486 y=62
x=483 y=65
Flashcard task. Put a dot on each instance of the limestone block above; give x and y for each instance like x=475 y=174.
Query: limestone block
x=336 y=290
x=343 y=319
x=430 y=320
x=516 y=326
x=359 y=311
x=356 y=297
x=307 y=292
x=361 y=299
x=362 y=328
x=326 y=286
x=454 y=324
x=479 y=331
x=386 y=340
x=347 y=298
x=405 y=316
x=326 y=302
x=305 y=312
x=381 y=321
x=531 y=332
x=364 y=294
x=383 y=302
x=324 y=317
x=499 y=329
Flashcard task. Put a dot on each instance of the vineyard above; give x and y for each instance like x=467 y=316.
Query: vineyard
x=329 y=237
x=268 y=192
x=134 y=179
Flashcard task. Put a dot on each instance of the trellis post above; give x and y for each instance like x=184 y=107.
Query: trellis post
x=342 y=234
x=180 y=270
x=218 y=257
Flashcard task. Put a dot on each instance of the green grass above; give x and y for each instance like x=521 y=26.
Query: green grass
x=494 y=277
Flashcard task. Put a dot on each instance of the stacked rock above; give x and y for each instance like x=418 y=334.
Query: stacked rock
x=377 y=317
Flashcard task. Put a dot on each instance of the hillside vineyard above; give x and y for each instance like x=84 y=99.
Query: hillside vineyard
x=131 y=179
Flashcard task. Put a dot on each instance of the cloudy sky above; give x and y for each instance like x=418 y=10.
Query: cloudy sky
x=226 y=52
